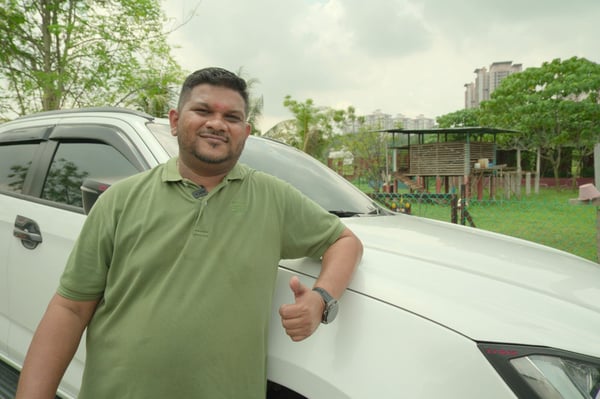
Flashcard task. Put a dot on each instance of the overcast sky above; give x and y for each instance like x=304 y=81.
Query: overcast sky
x=398 y=56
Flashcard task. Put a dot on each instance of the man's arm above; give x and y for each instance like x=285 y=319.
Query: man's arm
x=302 y=318
x=53 y=347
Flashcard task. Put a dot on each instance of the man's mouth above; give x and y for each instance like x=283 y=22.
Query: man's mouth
x=214 y=136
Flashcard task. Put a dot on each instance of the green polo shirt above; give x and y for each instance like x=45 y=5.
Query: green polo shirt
x=185 y=281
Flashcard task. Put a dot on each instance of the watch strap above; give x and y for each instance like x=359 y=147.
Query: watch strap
x=331 y=305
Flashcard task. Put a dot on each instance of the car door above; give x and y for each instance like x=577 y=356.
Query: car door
x=47 y=222
x=17 y=151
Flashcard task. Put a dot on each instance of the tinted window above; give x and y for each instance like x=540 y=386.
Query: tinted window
x=15 y=161
x=73 y=162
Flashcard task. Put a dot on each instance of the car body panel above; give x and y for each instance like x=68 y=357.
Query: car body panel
x=404 y=356
x=486 y=286
x=5 y=241
x=33 y=276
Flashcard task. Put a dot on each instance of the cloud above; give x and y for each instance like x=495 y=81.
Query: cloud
x=401 y=56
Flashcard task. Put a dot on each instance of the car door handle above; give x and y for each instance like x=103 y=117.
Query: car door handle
x=28 y=231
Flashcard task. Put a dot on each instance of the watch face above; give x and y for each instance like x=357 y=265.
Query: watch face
x=331 y=310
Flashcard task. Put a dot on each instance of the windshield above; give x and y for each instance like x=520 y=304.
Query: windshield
x=315 y=180
x=308 y=175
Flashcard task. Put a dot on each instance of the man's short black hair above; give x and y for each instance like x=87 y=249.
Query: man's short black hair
x=217 y=77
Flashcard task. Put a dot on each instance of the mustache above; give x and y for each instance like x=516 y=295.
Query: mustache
x=212 y=132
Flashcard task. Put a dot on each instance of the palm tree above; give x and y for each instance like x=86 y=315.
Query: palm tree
x=255 y=104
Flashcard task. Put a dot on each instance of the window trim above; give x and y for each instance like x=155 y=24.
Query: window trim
x=48 y=139
x=115 y=138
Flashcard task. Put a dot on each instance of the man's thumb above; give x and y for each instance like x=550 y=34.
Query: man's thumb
x=297 y=287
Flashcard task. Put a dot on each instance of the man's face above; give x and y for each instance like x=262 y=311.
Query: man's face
x=211 y=127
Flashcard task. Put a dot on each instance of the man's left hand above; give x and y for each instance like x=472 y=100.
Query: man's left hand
x=302 y=318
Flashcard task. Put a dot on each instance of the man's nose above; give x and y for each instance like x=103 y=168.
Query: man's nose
x=216 y=122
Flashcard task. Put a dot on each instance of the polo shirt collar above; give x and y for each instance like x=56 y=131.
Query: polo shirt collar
x=171 y=172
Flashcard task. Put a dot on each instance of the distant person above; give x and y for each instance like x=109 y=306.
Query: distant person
x=174 y=269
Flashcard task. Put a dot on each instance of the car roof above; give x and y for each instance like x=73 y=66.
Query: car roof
x=87 y=110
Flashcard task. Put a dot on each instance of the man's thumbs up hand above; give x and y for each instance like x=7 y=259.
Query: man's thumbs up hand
x=302 y=318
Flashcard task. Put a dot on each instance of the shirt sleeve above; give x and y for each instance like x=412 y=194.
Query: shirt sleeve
x=84 y=277
x=308 y=228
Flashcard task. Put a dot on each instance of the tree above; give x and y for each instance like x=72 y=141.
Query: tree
x=73 y=53
x=470 y=117
x=285 y=131
x=315 y=125
x=370 y=151
x=461 y=118
x=255 y=104
x=554 y=106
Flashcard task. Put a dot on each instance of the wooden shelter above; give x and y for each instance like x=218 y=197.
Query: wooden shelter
x=466 y=157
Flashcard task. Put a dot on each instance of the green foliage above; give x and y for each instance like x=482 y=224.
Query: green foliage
x=255 y=104
x=315 y=125
x=461 y=118
x=555 y=105
x=370 y=150
x=73 y=53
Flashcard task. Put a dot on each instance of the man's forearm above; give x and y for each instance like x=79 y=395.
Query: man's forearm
x=339 y=263
x=53 y=347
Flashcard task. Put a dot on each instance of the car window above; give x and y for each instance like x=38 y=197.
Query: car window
x=75 y=161
x=162 y=131
x=15 y=161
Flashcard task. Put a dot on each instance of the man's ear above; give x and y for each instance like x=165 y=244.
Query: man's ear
x=173 y=119
x=248 y=129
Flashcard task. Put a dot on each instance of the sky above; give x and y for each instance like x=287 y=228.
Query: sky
x=410 y=57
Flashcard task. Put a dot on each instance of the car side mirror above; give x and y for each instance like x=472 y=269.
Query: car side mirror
x=91 y=189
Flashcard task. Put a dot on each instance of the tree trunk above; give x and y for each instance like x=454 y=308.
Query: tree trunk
x=538 y=161
x=555 y=158
x=49 y=96
x=518 y=175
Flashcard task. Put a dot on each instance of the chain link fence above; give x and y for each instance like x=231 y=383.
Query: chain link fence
x=546 y=217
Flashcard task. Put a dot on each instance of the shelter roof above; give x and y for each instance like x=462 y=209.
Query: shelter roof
x=451 y=130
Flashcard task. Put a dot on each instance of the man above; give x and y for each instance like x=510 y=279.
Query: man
x=174 y=269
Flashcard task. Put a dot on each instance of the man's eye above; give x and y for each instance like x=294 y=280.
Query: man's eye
x=233 y=118
x=201 y=111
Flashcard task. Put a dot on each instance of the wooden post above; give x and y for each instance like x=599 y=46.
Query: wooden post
x=527 y=183
x=454 y=209
x=507 y=185
x=463 y=203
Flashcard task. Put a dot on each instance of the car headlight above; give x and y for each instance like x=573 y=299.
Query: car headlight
x=545 y=373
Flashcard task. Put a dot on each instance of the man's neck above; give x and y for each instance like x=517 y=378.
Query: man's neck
x=209 y=178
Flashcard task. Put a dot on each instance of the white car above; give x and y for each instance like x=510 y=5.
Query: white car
x=435 y=310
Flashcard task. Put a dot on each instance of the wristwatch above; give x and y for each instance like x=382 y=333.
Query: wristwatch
x=331 y=306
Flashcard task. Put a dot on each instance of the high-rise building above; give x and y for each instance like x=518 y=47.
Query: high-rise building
x=379 y=120
x=487 y=81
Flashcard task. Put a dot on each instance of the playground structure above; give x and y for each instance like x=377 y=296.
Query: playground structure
x=467 y=160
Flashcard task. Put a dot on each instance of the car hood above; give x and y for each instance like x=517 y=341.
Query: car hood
x=486 y=286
